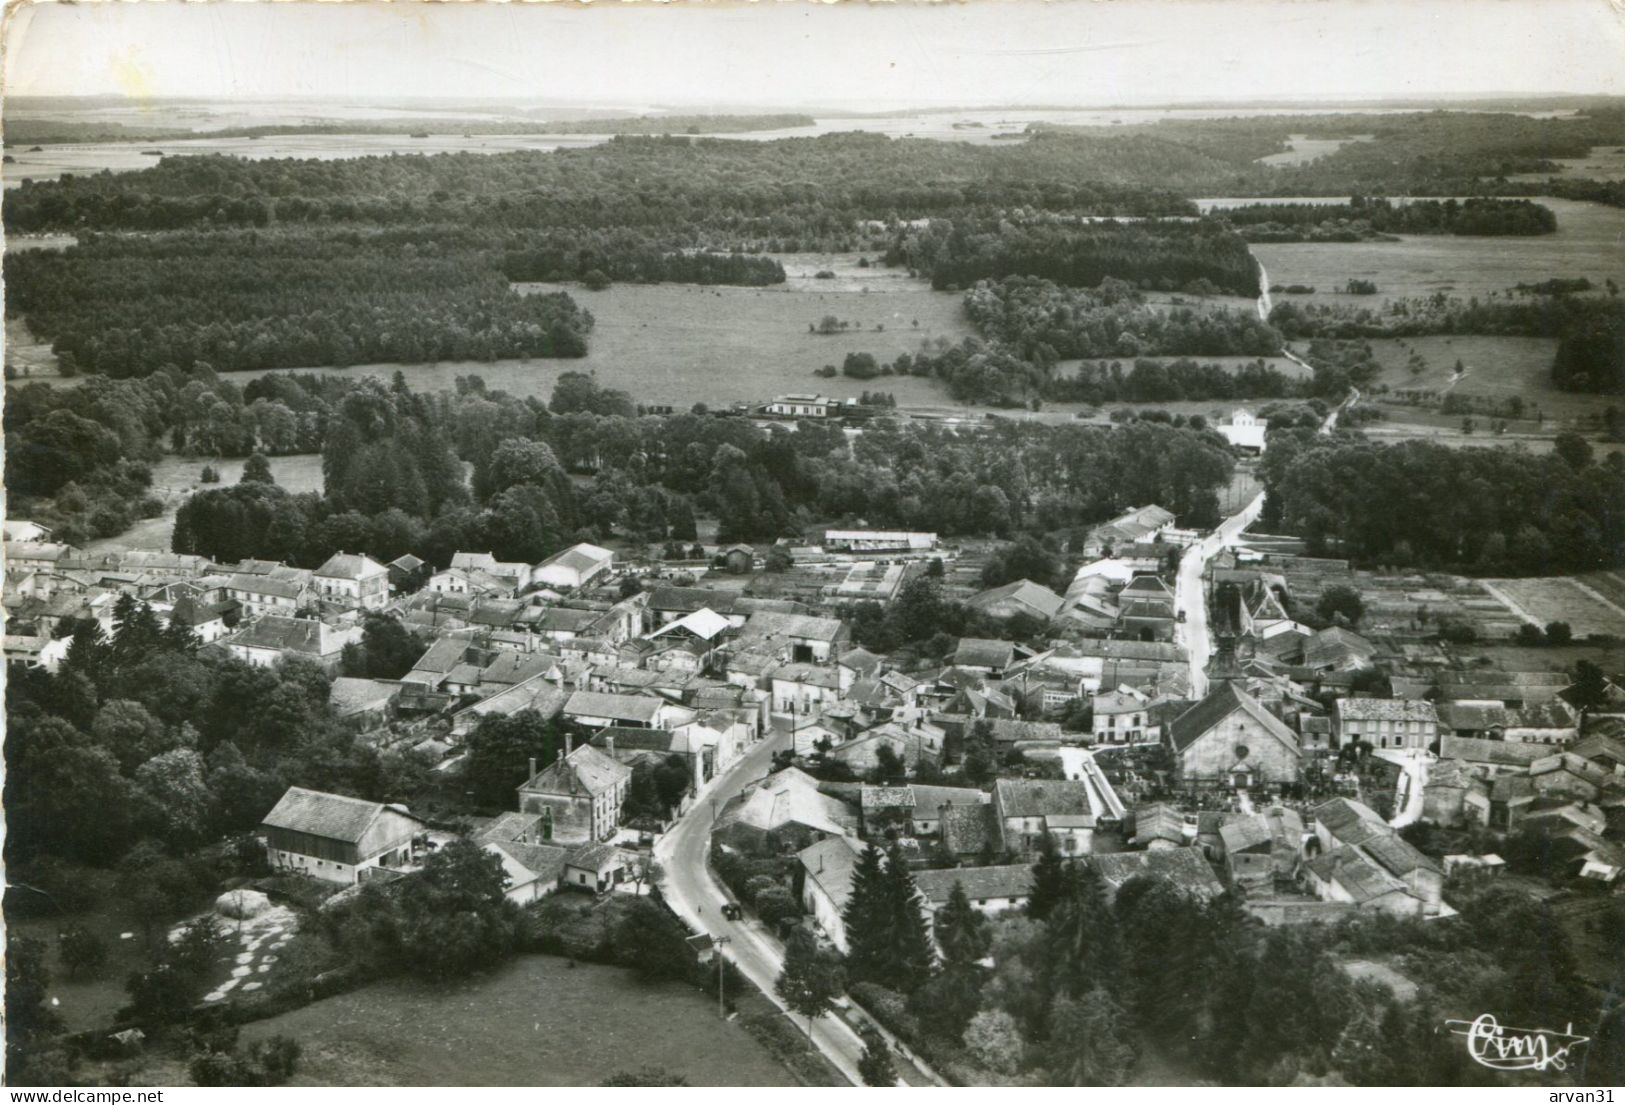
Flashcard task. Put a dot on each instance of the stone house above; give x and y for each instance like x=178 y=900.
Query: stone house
x=578 y=796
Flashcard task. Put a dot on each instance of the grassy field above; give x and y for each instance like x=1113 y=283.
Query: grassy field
x=681 y=344
x=536 y=1021
x=1497 y=368
x=1512 y=657
x=1587 y=609
x=175 y=478
x=1602 y=163
x=1303 y=149
x=1586 y=243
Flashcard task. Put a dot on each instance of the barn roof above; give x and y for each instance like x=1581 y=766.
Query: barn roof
x=330 y=816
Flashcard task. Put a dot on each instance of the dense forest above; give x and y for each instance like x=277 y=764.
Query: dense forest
x=1047 y=322
x=1363 y=218
x=1417 y=504
x=1199 y=256
x=125 y=305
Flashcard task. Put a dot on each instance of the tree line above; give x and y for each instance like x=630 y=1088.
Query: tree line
x=1368 y=217
x=1200 y=255
x=1417 y=504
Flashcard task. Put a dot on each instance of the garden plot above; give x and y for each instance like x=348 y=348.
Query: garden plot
x=1588 y=609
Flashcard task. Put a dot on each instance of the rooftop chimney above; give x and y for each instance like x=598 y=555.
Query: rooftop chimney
x=567 y=746
x=609 y=743
x=532 y=774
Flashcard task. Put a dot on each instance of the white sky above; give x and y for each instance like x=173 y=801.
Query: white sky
x=794 y=52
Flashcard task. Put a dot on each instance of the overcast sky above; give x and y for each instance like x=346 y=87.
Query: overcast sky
x=1069 y=52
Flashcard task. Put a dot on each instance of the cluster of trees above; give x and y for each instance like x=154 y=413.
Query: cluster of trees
x=1487 y=511
x=1201 y=256
x=1048 y=322
x=650 y=475
x=1591 y=351
x=125 y=305
x=629 y=259
x=1084 y=981
x=1151 y=381
x=137 y=738
x=1363 y=218
x=1511 y=314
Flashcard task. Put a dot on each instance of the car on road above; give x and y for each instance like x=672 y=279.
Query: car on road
x=731 y=911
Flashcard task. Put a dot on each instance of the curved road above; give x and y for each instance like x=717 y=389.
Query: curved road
x=696 y=895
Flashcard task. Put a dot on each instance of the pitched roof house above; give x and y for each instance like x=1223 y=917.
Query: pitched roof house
x=335 y=837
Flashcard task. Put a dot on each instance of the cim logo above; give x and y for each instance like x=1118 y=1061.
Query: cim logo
x=1505 y=1048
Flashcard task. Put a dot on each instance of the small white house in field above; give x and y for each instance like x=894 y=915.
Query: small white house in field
x=576 y=566
x=1244 y=431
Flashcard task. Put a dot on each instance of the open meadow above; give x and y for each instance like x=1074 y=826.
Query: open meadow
x=1602 y=163
x=1587 y=243
x=681 y=344
x=535 y=1021
x=174 y=479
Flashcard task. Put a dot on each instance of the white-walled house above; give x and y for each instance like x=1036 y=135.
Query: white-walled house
x=826 y=869
x=354 y=580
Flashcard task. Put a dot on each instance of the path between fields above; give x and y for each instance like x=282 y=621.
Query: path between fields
x=1598 y=595
x=694 y=893
x=1507 y=601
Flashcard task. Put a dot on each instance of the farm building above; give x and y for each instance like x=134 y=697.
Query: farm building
x=877 y=541
x=576 y=566
x=335 y=837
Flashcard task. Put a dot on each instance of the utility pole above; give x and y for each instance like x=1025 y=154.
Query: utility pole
x=722 y=1006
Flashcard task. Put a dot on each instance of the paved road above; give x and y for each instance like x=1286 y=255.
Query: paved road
x=697 y=896
x=1190 y=596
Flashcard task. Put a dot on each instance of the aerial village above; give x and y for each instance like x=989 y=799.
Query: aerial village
x=1287 y=767
x=726 y=746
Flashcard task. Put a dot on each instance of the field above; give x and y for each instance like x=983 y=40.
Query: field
x=1580 y=602
x=681 y=344
x=1586 y=243
x=1602 y=163
x=1304 y=149
x=175 y=478
x=536 y=1021
x=1497 y=368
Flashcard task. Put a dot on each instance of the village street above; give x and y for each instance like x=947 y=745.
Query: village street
x=697 y=897
x=1190 y=597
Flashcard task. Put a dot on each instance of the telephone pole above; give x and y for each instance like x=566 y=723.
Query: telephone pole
x=722 y=1006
